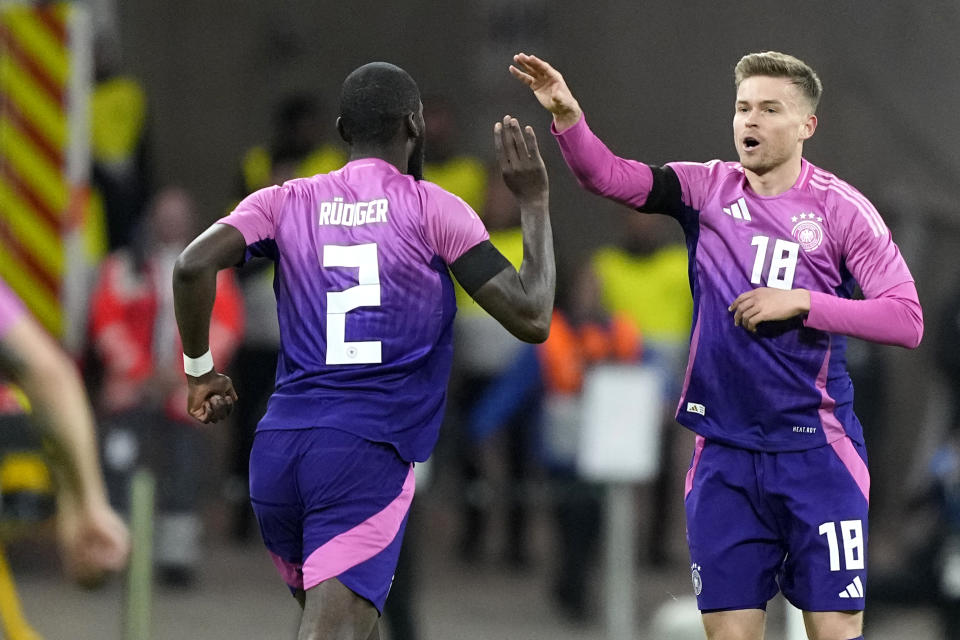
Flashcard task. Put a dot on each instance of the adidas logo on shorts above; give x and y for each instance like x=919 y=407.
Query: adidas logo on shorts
x=853 y=590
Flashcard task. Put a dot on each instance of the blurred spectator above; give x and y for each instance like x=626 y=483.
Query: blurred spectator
x=583 y=334
x=483 y=353
x=645 y=278
x=142 y=395
x=447 y=165
x=300 y=147
x=118 y=113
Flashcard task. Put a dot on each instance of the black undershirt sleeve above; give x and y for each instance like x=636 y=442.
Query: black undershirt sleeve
x=475 y=267
x=666 y=195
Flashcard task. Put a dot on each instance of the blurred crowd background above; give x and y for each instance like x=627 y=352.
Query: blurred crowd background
x=194 y=105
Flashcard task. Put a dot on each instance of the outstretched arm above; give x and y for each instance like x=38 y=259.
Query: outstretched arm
x=595 y=167
x=522 y=301
x=93 y=539
x=210 y=395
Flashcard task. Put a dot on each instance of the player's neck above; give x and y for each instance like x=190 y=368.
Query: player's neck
x=396 y=157
x=777 y=180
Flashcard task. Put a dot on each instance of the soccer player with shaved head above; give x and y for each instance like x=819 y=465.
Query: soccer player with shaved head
x=366 y=305
x=778 y=488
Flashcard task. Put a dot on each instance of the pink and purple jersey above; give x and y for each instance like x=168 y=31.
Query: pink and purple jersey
x=786 y=387
x=364 y=299
x=11 y=308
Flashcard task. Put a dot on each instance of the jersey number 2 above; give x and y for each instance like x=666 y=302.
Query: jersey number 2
x=365 y=294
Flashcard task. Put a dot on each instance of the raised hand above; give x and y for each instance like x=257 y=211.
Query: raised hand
x=520 y=162
x=210 y=397
x=549 y=87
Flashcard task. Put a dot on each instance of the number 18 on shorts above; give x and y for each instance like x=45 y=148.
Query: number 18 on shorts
x=762 y=522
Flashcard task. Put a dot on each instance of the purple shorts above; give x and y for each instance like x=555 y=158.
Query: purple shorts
x=331 y=505
x=796 y=521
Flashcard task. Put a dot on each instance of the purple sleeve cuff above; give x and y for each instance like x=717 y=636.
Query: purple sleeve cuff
x=894 y=317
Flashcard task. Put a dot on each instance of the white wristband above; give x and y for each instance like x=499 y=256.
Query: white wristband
x=196 y=367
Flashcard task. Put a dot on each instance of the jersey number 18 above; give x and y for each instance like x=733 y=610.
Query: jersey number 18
x=783 y=262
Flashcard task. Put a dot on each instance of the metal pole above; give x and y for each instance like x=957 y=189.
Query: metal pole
x=136 y=619
x=620 y=540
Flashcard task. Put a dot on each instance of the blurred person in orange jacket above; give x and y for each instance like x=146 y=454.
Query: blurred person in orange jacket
x=544 y=383
x=583 y=334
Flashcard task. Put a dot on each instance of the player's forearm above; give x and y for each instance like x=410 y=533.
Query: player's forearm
x=599 y=171
x=895 y=317
x=62 y=412
x=522 y=301
x=538 y=271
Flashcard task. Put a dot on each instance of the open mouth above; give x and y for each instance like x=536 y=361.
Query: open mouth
x=750 y=143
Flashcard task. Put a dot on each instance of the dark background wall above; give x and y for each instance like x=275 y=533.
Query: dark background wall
x=655 y=79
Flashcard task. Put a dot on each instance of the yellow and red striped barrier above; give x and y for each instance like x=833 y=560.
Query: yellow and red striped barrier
x=35 y=85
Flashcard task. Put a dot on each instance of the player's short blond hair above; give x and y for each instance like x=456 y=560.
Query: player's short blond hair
x=781 y=65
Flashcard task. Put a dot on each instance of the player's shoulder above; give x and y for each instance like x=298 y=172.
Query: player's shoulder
x=309 y=188
x=715 y=167
x=825 y=181
x=843 y=200
x=439 y=196
x=433 y=189
x=309 y=183
x=711 y=171
x=699 y=181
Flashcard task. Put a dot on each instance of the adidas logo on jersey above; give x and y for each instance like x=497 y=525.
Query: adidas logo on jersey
x=853 y=590
x=738 y=210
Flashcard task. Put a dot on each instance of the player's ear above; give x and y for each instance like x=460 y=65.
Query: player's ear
x=808 y=127
x=343 y=134
x=414 y=124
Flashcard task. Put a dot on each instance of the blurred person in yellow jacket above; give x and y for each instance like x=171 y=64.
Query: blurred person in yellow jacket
x=645 y=279
x=447 y=164
x=118 y=116
x=298 y=148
